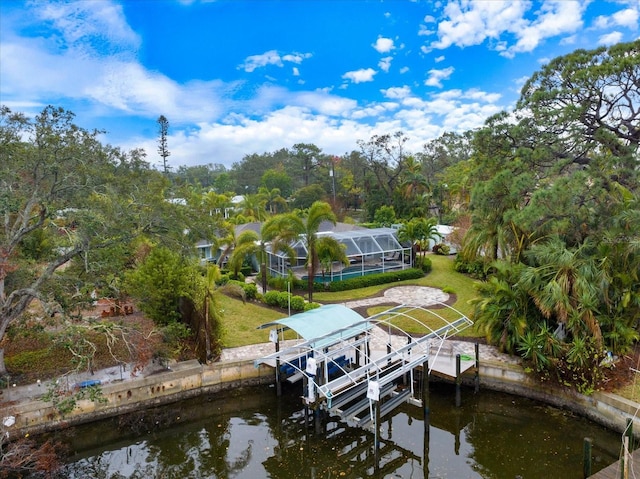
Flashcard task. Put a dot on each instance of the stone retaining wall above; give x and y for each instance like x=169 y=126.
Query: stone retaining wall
x=609 y=410
x=189 y=379
x=182 y=381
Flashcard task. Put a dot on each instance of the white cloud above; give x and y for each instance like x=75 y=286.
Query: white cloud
x=397 y=92
x=404 y=69
x=555 y=18
x=383 y=45
x=96 y=27
x=610 y=38
x=471 y=23
x=272 y=57
x=360 y=76
x=296 y=57
x=295 y=72
x=436 y=76
x=626 y=18
x=385 y=63
x=439 y=59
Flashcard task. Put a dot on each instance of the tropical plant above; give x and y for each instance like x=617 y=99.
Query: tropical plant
x=330 y=250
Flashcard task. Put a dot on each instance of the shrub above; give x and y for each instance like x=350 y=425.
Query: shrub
x=250 y=289
x=271 y=298
x=424 y=264
x=297 y=303
x=478 y=269
x=308 y=306
x=375 y=279
x=283 y=299
x=441 y=248
x=448 y=290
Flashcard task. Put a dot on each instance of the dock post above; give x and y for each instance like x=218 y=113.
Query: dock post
x=628 y=431
x=426 y=421
x=586 y=457
x=476 y=379
x=377 y=439
x=458 y=381
x=357 y=352
x=628 y=446
x=278 y=383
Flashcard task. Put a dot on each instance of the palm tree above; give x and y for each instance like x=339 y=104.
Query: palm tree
x=565 y=285
x=294 y=227
x=501 y=310
x=249 y=238
x=418 y=231
x=254 y=207
x=329 y=250
x=274 y=235
x=209 y=317
x=414 y=183
x=273 y=199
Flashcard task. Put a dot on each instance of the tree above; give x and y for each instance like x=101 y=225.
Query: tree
x=418 y=232
x=158 y=283
x=306 y=196
x=307 y=158
x=330 y=250
x=235 y=262
x=163 y=149
x=306 y=228
x=584 y=102
x=253 y=207
x=385 y=157
x=277 y=178
x=57 y=182
x=273 y=200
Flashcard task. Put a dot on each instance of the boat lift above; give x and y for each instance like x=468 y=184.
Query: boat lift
x=350 y=364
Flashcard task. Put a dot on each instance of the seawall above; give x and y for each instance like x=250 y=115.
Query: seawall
x=190 y=378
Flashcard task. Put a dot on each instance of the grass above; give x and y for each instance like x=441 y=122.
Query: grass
x=241 y=320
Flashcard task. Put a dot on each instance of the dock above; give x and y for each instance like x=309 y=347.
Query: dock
x=614 y=471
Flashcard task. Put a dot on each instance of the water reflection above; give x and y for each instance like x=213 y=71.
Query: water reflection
x=250 y=434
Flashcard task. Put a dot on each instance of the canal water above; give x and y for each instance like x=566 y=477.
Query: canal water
x=249 y=433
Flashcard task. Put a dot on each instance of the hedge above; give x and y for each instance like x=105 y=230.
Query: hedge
x=373 y=279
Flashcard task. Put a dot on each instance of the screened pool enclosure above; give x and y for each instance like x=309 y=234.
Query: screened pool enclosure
x=369 y=251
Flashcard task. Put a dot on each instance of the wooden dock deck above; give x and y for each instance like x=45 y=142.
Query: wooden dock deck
x=613 y=471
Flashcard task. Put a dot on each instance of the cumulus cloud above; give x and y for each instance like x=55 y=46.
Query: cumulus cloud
x=397 y=92
x=360 y=76
x=627 y=18
x=436 y=76
x=383 y=45
x=271 y=57
x=610 y=38
x=472 y=23
x=215 y=120
x=385 y=63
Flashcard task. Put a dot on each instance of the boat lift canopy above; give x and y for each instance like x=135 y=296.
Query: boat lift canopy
x=332 y=330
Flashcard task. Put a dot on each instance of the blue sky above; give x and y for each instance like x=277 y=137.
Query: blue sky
x=252 y=76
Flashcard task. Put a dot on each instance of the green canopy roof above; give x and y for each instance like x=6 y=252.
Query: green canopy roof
x=325 y=325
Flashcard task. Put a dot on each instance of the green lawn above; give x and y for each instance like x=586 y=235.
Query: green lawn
x=241 y=320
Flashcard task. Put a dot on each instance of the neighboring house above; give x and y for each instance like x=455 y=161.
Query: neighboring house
x=445 y=232
x=208 y=253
